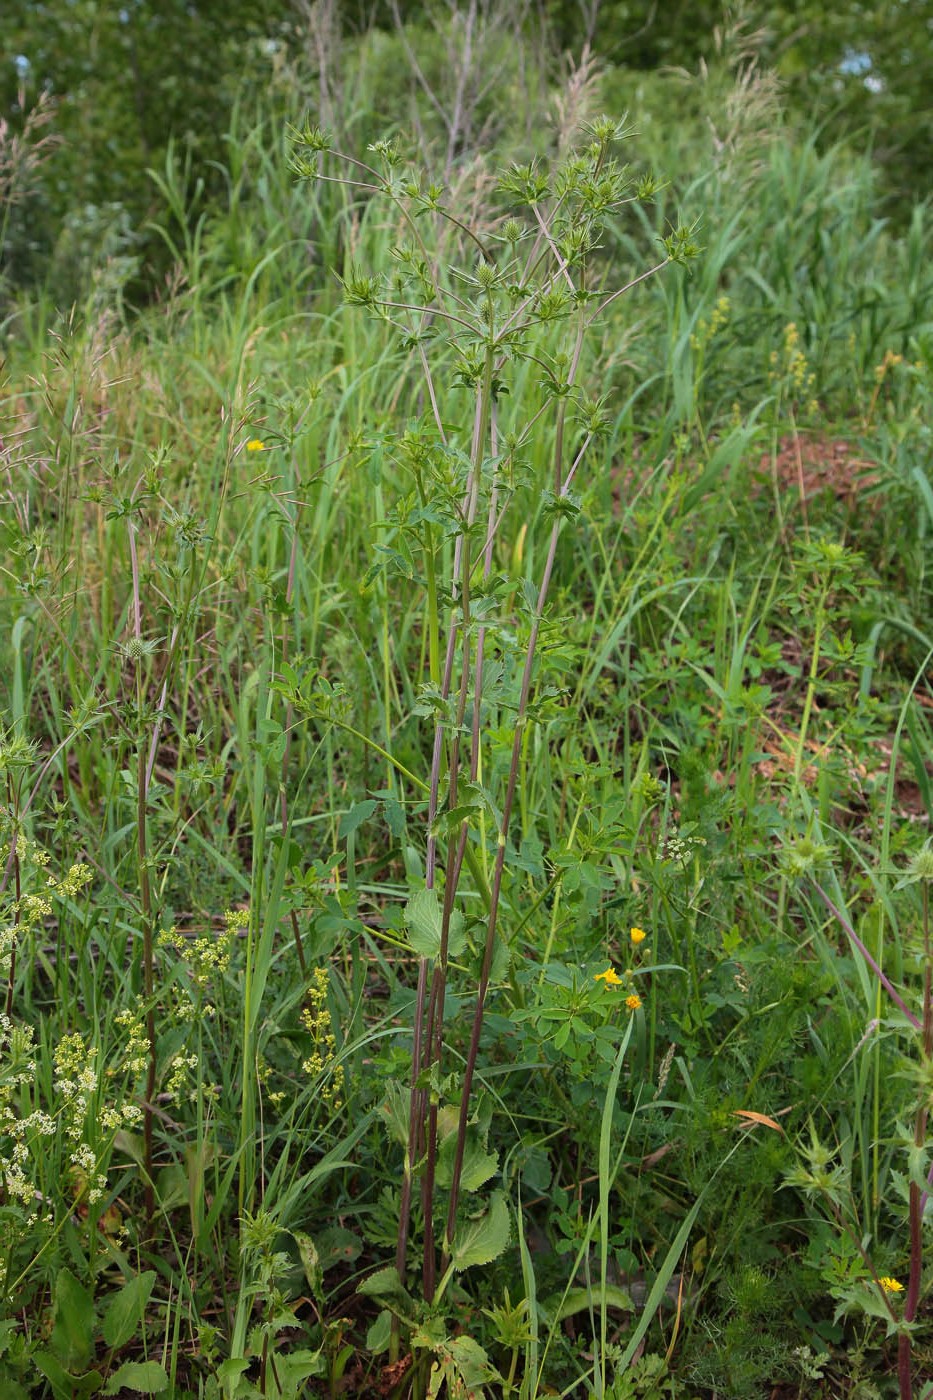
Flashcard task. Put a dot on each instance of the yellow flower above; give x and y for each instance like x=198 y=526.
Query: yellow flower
x=255 y=445
x=633 y=1002
x=610 y=977
x=891 y=1285
x=638 y=935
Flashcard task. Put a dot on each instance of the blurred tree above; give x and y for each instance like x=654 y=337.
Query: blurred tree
x=861 y=69
x=864 y=70
x=128 y=76
x=125 y=78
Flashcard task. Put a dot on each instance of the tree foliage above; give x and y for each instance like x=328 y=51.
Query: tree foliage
x=126 y=80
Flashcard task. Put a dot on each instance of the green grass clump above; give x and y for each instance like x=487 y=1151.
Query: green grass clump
x=465 y=742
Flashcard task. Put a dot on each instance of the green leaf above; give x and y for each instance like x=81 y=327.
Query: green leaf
x=470 y=1360
x=298 y=1366
x=478 y=1167
x=9 y=1388
x=480 y=1241
x=8 y=1330
x=124 y=1312
x=380 y=1332
x=384 y=1283
x=142 y=1377
x=478 y=1164
x=356 y=816
x=232 y=1369
x=560 y=1306
x=424 y=918
x=172 y=1186
x=501 y=958
x=310 y=1262
x=338 y=1246
x=395 y=1111
x=65 y=1386
x=464 y=1365
x=73 y=1330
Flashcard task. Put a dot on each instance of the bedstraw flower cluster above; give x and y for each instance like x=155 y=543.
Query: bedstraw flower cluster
x=208 y=955
x=56 y=1130
x=19 y=917
x=136 y=1052
x=791 y=369
x=708 y=330
x=19 y=1132
x=322 y=1063
x=75 y=1087
x=181 y=1070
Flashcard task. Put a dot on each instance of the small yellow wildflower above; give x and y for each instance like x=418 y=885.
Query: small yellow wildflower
x=610 y=977
x=633 y=1002
x=890 y=1285
x=638 y=935
x=255 y=445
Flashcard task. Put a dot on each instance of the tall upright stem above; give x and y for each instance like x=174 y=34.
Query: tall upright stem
x=13 y=797
x=145 y=891
x=915 y=1198
x=456 y=850
x=561 y=487
x=421 y=1051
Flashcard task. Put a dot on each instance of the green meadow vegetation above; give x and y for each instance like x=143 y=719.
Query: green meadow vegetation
x=466 y=746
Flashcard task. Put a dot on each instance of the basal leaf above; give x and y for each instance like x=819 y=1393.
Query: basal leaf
x=73 y=1330
x=141 y=1377
x=560 y=1306
x=126 y=1310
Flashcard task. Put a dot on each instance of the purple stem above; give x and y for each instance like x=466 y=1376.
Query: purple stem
x=854 y=938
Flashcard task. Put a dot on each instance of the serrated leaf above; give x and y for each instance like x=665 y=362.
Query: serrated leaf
x=478 y=1167
x=465 y=1367
x=126 y=1310
x=395 y=1111
x=142 y=1377
x=501 y=958
x=483 y=1240
x=918 y=1166
x=424 y=919
x=470 y=1360
x=478 y=1164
